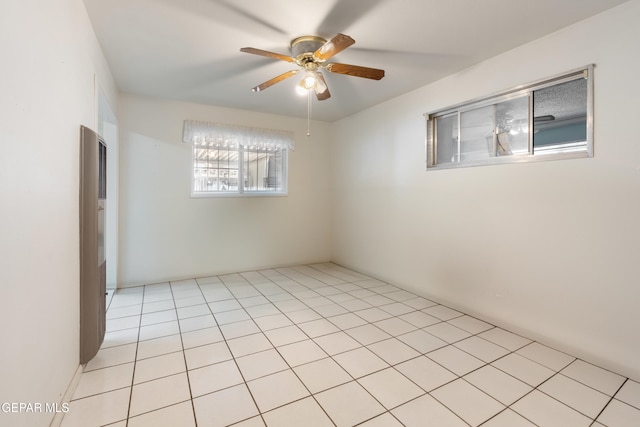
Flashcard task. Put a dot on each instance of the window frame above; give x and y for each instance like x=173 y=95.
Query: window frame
x=241 y=141
x=585 y=72
x=241 y=191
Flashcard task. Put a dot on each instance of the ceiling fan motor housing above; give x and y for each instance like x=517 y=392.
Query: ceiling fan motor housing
x=302 y=48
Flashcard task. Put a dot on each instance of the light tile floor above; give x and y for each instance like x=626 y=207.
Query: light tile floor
x=320 y=345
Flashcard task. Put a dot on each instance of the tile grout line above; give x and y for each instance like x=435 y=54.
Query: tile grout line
x=285 y=361
x=609 y=402
x=148 y=358
x=311 y=394
x=245 y=383
x=135 y=359
x=390 y=366
x=393 y=366
x=331 y=357
x=184 y=356
x=555 y=371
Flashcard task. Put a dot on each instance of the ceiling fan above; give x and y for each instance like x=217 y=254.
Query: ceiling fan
x=310 y=53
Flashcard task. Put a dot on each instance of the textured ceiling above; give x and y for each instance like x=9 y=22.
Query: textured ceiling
x=189 y=50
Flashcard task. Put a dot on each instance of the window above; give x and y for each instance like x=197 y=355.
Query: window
x=235 y=160
x=552 y=119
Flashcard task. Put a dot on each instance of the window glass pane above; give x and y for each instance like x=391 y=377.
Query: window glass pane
x=447 y=137
x=263 y=170
x=201 y=172
x=476 y=134
x=215 y=169
x=512 y=127
x=496 y=130
x=560 y=117
x=251 y=170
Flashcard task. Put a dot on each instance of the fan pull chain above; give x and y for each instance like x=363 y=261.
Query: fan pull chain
x=308 y=112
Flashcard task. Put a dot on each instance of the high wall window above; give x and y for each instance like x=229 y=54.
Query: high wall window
x=236 y=160
x=551 y=119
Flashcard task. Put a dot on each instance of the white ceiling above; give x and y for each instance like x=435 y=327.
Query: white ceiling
x=189 y=50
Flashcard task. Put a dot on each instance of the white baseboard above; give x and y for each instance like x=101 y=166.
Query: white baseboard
x=57 y=419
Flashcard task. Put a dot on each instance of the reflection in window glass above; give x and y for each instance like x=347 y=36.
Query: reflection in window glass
x=494 y=130
x=512 y=127
x=447 y=130
x=560 y=117
x=263 y=170
x=476 y=134
x=216 y=169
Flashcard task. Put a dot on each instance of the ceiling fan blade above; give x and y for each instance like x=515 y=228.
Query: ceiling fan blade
x=274 y=80
x=322 y=90
x=337 y=44
x=355 y=70
x=267 y=54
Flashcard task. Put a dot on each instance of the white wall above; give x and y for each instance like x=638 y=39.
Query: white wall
x=49 y=59
x=165 y=234
x=551 y=249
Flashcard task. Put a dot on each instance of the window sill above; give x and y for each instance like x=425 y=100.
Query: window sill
x=235 y=195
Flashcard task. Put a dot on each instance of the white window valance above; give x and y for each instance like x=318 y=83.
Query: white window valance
x=232 y=136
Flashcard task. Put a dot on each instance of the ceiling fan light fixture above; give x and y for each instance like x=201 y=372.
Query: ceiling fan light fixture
x=309 y=80
x=301 y=89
